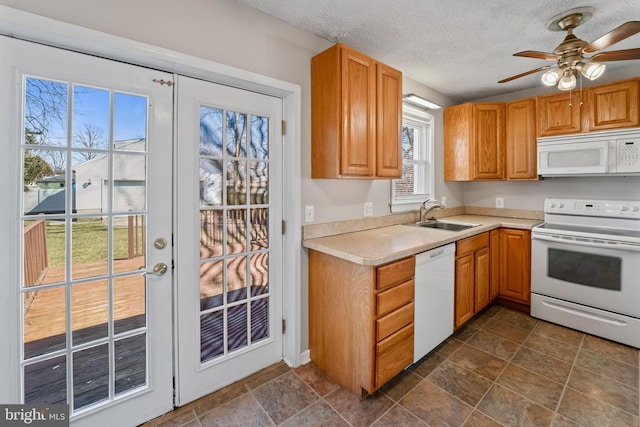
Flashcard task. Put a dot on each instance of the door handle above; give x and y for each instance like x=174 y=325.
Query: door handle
x=158 y=270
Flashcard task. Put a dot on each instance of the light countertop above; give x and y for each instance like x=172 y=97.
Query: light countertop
x=385 y=244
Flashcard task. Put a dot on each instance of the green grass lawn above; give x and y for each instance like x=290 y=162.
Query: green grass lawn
x=89 y=242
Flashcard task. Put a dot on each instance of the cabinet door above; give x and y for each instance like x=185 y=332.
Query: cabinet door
x=521 y=144
x=488 y=133
x=559 y=114
x=358 y=114
x=613 y=105
x=515 y=265
x=482 y=278
x=388 y=122
x=464 y=290
x=494 y=264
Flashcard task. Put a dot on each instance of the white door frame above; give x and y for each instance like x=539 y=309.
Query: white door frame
x=44 y=30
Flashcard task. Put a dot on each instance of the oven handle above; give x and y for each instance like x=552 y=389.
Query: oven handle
x=614 y=246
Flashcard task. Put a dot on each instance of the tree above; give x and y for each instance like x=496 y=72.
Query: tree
x=91 y=137
x=35 y=168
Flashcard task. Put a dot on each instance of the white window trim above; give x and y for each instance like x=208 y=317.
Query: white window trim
x=412 y=203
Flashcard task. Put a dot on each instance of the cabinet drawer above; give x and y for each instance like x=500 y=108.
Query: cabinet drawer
x=396 y=272
x=472 y=244
x=394 y=354
x=396 y=297
x=394 y=321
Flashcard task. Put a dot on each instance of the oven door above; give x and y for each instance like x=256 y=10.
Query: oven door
x=594 y=272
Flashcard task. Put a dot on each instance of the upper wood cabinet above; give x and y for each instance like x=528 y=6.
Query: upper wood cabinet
x=613 y=105
x=559 y=114
x=356 y=116
x=474 y=142
x=520 y=137
x=607 y=106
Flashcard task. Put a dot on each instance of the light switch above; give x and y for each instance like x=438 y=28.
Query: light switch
x=309 y=214
x=368 y=208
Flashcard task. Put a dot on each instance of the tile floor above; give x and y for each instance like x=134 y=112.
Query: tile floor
x=503 y=368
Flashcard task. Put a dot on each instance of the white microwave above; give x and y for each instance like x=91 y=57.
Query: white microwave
x=595 y=153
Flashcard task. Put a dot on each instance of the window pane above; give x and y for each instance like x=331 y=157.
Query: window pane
x=211 y=335
x=46 y=381
x=130 y=363
x=45 y=112
x=210 y=182
x=236 y=134
x=129 y=122
x=210 y=131
x=90 y=118
x=90 y=376
x=45 y=182
x=45 y=321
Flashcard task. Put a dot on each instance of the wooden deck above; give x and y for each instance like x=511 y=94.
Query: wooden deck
x=45 y=331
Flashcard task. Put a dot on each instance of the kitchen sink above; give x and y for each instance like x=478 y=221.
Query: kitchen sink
x=445 y=225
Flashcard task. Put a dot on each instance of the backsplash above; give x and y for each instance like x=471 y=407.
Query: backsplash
x=314 y=231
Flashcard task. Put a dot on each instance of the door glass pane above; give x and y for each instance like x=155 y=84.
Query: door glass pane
x=84 y=212
x=237 y=320
x=44 y=321
x=129 y=303
x=46 y=381
x=210 y=131
x=45 y=182
x=131 y=363
x=90 y=376
x=236 y=279
x=236 y=182
x=211 y=234
x=90 y=119
x=129 y=176
x=236 y=231
x=259 y=319
x=236 y=134
x=210 y=182
x=234 y=238
x=128 y=235
x=89 y=246
x=259 y=180
x=211 y=335
x=45 y=112
x=211 y=284
x=89 y=311
x=129 y=122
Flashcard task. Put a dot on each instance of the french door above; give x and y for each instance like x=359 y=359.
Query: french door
x=228 y=235
x=87 y=211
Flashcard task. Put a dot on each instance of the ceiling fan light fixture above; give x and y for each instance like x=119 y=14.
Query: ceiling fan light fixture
x=551 y=77
x=567 y=81
x=592 y=70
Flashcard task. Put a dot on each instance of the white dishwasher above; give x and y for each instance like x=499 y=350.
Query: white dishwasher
x=434 y=287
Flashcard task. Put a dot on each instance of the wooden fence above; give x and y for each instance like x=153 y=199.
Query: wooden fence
x=136 y=235
x=35 y=252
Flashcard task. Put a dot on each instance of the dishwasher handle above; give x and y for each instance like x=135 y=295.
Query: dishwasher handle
x=436 y=253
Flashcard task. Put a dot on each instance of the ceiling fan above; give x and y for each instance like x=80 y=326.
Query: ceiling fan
x=570 y=54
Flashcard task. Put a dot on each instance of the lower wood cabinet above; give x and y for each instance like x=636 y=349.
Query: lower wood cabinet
x=360 y=320
x=472 y=278
x=495 y=264
x=515 y=265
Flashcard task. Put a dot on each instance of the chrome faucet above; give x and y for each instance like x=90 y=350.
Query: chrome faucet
x=424 y=210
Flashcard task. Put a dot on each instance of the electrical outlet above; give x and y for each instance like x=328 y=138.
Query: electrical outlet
x=368 y=208
x=309 y=214
x=443 y=200
x=499 y=202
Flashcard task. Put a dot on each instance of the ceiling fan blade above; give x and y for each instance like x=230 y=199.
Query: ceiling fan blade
x=538 y=55
x=508 y=79
x=614 y=36
x=617 y=55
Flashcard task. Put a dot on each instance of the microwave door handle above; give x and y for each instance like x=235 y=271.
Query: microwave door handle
x=616 y=246
x=612 y=160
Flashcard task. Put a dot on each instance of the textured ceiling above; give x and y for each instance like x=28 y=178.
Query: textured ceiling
x=460 y=48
